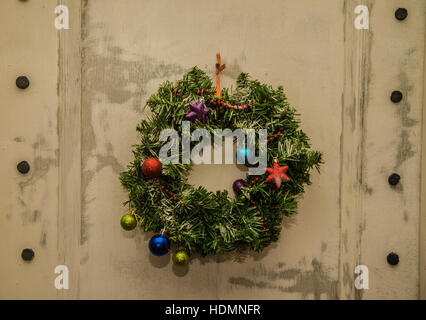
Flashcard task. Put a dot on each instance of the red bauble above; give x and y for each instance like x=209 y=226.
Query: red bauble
x=152 y=167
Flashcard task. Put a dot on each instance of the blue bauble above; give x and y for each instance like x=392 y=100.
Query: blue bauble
x=245 y=154
x=159 y=245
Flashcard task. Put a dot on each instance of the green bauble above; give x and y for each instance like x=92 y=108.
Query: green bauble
x=128 y=222
x=180 y=258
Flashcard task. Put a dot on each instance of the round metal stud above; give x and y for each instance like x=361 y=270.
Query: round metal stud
x=23 y=167
x=27 y=254
x=401 y=14
x=396 y=96
x=392 y=258
x=22 y=82
x=394 y=179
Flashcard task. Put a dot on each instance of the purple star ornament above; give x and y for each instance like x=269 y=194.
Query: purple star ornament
x=198 y=112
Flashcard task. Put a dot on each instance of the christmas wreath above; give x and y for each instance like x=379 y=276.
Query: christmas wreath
x=193 y=219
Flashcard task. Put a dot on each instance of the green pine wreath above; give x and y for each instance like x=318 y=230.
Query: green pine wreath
x=193 y=219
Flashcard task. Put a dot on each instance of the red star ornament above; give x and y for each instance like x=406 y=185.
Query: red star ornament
x=277 y=174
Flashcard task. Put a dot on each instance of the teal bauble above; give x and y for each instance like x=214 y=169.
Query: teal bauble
x=246 y=155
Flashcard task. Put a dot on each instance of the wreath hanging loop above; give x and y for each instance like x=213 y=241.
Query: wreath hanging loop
x=192 y=219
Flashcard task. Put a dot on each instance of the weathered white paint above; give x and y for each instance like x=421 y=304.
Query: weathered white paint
x=88 y=85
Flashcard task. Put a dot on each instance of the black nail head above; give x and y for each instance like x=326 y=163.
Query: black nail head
x=27 y=254
x=394 y=179
x=393 y=259
x=22 y=82
x=401 y=14
x=396 y=96
x=23 y=167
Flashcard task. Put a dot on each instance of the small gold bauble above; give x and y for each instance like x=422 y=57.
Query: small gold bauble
x=180 y=258
x=128 y=222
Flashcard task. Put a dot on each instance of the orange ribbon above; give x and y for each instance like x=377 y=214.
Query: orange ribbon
x=219 y=69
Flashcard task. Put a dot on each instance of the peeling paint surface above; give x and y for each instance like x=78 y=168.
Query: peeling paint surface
x=119 y=74
x=313 y=283
x=116 y=55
